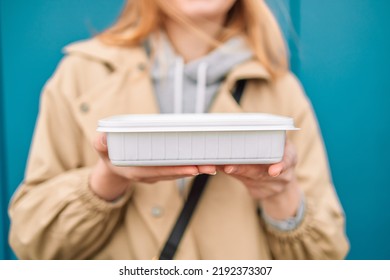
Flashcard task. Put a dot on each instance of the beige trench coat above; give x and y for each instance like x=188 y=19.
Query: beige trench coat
x=54 y=215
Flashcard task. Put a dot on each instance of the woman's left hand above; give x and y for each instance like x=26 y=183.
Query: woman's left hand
x=275 y=186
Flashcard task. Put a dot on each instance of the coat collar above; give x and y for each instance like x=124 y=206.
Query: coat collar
x=224 y=101
x=115 y=57
x=127 y=57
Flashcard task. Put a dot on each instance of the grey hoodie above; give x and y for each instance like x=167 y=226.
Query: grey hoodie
x=191 y=87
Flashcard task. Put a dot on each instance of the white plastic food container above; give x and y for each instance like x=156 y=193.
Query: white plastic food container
x=195 y=139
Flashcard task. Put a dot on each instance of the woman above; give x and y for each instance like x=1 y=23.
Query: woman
x=73 y=204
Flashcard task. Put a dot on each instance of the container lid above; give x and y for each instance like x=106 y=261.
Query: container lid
x=195 y=122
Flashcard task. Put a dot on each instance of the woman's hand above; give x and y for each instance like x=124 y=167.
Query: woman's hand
x=109 y=182
x=275 y=185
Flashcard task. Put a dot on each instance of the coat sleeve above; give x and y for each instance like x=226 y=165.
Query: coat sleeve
x=321 y=233
x=54 y=215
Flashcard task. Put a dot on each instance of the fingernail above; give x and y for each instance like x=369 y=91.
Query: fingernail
x=276 y=174
x=214 y=173
x=231 y=169
x=195 y=174
x=103 y=140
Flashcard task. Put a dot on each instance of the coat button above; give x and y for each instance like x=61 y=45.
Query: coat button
x=157 y=211
x=84 y=107
x=141 y=67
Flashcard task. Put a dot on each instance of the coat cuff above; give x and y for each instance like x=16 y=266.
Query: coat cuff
x=92 y=201
x=290 y=223
x=302 y=228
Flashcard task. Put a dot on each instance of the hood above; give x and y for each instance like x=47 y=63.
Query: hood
x=190 y=87
x=115 y=57
x=127 y=58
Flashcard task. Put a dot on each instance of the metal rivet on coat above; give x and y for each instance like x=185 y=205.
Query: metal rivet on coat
x=157 y=211
x=84 y=107
x=141 y=67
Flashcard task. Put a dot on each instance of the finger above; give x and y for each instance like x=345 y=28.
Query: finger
x=289 y=160
x=100 y=145
x=166 y=178
x=276 y=169
x=220 y=168
x=143 y=172
x=230 y=169
x=252 y=171
x=178 y=170
x=260 y=190
x=259 y=193
x=207 y=169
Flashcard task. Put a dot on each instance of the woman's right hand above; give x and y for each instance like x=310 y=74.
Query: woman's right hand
x=109 y=182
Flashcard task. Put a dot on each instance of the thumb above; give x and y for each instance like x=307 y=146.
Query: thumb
x=100 y=145
x=275 y=169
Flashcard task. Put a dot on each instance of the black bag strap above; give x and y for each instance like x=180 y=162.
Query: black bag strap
x=198 y=185
x=173 y=241
x=239 y=90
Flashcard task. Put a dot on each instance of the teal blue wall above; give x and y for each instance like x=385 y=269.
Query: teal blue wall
x=341 y=54
x=33 y=34
x=344 y=66
x=3 y=184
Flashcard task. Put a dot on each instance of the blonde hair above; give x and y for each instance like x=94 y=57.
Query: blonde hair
x=251 y=18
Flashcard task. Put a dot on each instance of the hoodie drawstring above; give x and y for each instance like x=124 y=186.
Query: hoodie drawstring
x=178 y=86
x=200 y=87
